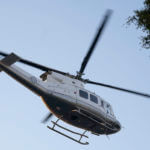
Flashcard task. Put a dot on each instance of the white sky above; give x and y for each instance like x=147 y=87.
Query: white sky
x=57 y=34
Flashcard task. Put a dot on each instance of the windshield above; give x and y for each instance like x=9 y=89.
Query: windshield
x=109 y=110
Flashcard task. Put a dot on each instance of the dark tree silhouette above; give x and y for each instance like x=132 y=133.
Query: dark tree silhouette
x=141 y=19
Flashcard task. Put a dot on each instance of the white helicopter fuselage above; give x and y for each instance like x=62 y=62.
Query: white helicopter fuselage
x=69 y=100
x=77 y=95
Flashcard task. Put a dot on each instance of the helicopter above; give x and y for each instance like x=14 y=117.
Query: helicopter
x=66 y=97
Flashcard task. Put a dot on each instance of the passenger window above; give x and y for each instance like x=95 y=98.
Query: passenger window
x=93 y=99
x=83 y=94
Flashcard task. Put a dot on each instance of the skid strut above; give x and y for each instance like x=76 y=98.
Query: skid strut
x=76 y=140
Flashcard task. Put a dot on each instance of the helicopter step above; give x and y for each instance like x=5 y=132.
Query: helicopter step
x=61 y=133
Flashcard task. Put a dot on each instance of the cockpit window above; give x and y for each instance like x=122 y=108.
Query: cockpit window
x=93 y=99
x=102 y=103
x=109 y=111
x=108 y=105
x=83 y=94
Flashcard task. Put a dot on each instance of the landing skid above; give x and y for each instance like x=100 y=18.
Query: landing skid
x=61 y=133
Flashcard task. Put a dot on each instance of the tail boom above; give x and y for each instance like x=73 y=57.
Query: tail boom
x=20 y=75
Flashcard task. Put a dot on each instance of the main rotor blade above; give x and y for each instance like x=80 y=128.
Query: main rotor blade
x=35 y=65
x=118 y=88
x=47 y=118
x=92 y=47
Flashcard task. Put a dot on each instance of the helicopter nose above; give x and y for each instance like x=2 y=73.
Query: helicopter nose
x=118 y=125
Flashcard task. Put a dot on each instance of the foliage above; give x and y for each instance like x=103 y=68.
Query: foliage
x=141 y=19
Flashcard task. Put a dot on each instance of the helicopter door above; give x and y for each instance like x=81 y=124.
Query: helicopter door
x=87 y=100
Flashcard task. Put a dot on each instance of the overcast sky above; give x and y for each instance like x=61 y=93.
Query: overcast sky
x=57 y=33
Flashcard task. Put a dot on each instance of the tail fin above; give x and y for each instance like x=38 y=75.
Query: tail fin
x=9 y=60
